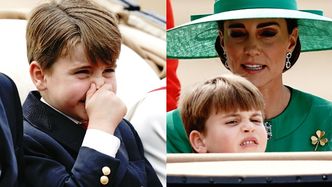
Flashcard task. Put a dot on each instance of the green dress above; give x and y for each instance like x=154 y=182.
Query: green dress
x=292 y=130
x=177 y=139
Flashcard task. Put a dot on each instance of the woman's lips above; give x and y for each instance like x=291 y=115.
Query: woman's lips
x=253 y=67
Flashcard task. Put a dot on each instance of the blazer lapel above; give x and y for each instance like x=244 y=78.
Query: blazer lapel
x=48 y=120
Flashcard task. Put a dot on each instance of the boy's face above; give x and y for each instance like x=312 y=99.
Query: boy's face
x=70 y=77
x=241 y=131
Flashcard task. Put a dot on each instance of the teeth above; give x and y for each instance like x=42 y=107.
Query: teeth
x=248 y=142
x=253 y=67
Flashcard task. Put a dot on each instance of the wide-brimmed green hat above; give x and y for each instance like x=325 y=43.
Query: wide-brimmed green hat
x=196 y=39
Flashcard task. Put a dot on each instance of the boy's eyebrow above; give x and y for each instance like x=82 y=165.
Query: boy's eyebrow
x=232 y=115
x=79 y=67
x=237 y=114
x=84 y=66
x=88 y=66
x=257 y=114
x=112 y=65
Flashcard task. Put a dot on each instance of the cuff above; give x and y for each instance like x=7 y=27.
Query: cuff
x=101 y=141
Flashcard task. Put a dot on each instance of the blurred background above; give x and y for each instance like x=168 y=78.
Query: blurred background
x=312 y=72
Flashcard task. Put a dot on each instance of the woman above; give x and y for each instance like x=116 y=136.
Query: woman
x=260 y=40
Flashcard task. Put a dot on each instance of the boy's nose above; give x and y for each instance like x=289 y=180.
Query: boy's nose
x=99 y=81
x=248 y=127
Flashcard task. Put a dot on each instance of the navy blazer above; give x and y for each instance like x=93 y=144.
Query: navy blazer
x=54 y=156
x=11 y=133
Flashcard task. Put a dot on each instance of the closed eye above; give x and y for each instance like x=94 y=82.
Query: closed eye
x=257 y=120
x=109 y=70
x=83 y=71
x=232 y=122
x=268 y=33
x=237 y=34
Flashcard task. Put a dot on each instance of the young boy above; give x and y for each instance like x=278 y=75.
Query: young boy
x=75 y=134
x=225 y=115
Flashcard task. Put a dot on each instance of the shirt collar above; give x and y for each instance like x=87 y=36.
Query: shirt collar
x=72 y=119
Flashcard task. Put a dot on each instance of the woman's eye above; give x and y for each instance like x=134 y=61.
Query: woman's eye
x=237 y=34
x=268 y=33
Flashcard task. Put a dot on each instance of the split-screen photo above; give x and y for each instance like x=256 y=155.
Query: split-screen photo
x=128 y=93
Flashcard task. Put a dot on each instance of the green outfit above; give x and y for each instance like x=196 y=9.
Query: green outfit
x=177 y=139
x=291 y=130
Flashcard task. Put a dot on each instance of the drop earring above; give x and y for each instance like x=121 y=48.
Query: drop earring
x=288 y=63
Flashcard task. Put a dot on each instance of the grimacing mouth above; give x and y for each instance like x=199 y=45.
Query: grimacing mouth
x=249 y=141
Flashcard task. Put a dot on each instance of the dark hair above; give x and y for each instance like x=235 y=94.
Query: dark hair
x=291 y=24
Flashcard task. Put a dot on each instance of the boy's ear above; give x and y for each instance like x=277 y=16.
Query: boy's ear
x=197 y=141
x=37 y=76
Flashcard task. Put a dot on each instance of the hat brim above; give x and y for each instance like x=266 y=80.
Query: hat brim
x=196 y=39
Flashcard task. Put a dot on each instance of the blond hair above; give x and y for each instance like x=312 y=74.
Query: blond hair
x=227 y=93
x=54 y=28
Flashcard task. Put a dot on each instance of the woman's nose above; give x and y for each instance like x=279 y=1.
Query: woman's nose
x=252 y=46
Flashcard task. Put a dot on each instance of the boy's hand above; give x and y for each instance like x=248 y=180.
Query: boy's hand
x=105 y=110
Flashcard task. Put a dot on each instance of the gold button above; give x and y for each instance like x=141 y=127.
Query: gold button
x=106 y=170
x=104 y=180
